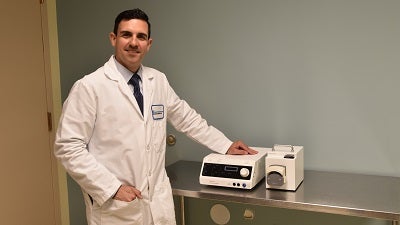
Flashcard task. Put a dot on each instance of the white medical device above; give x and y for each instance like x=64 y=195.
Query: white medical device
x=284 y=167
x=235 y=171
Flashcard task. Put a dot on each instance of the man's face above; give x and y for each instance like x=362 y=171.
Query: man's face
x=131 y=43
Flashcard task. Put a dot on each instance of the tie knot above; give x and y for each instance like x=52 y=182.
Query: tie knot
x=134 y=79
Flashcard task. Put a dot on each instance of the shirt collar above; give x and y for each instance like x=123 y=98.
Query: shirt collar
x=127 y=74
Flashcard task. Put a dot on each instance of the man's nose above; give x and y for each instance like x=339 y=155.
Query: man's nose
x=133 y=41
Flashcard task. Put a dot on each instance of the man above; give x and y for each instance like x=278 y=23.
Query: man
x=111 y=136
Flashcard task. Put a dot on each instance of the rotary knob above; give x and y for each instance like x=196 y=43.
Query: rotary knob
x=244 y=172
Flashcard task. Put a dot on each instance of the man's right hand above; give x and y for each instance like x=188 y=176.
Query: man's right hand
x=127 y=193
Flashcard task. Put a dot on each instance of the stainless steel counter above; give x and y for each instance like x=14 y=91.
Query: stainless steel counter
x=328 y=192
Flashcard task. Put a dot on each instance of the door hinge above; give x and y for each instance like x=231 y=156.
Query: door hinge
x=49 y=121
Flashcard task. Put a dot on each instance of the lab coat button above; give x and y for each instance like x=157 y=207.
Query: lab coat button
x=148 y=148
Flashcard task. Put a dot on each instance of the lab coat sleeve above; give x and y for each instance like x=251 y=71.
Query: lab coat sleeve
x=185 y=119
x=73 y=135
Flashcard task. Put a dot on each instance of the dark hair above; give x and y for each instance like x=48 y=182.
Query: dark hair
x=131 y=14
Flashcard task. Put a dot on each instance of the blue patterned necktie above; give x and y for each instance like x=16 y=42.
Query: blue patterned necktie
x=136 y=90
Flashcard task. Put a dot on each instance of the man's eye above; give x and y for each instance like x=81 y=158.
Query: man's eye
x=126 y=34
x=142 y=37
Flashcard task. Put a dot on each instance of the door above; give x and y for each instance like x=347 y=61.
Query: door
x=26 y=159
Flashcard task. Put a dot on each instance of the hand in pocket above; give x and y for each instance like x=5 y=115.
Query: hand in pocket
x=127 y=193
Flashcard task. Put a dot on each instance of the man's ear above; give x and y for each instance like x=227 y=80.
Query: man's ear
x=150 y=43
x=113 y=38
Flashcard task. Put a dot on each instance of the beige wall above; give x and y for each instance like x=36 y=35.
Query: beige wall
x=29 y=84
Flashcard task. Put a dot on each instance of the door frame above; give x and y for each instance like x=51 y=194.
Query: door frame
x=54 y=104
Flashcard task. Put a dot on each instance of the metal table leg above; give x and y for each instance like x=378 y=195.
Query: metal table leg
x=182 y=200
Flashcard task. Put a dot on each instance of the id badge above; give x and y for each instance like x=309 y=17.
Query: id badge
x=157 y=111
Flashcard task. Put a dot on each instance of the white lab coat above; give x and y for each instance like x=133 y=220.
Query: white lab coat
x=103 y=141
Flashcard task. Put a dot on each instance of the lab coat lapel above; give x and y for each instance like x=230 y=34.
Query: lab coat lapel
x=129 y=94
x=112 y=73
x=147 y=79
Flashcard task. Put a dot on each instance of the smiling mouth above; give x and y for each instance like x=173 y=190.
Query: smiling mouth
x=133 y=52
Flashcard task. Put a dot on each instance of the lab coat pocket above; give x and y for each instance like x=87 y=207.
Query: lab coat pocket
x=122 y=213
x=165 y=213
x=159 y=130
